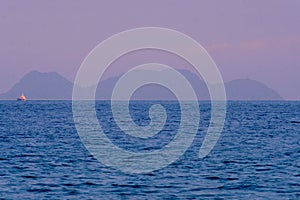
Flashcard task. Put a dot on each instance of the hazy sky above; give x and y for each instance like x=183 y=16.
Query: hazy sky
x=257 y=39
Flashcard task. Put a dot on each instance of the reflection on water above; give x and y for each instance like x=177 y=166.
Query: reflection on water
x=257 y=155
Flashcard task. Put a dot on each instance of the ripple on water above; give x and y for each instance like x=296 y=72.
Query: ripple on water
x=257 y=156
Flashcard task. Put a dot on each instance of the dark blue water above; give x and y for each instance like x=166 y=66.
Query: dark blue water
x=257 y=156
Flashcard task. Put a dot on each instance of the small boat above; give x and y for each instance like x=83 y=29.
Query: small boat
x=22 y=98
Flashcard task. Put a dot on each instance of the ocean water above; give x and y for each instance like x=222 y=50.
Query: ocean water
x=256 y=157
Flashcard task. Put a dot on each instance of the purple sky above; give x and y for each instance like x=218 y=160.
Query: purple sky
x=255 y=39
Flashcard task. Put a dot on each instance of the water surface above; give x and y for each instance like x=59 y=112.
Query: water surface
x=257 y=156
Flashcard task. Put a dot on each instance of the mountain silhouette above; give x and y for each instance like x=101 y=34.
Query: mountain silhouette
x=154 y=91
x=52 y=86
x=41 y=86
x=246 y=89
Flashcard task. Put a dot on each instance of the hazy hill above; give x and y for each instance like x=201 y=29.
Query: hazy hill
x=246 y=89
x=50 y=86
x=36 y=85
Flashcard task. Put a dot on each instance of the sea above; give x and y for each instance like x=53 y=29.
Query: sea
x=256 y=157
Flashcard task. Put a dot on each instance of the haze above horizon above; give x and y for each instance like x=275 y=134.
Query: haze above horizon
x=259 y=40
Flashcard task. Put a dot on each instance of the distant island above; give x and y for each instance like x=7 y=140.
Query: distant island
x=52 y=86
